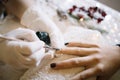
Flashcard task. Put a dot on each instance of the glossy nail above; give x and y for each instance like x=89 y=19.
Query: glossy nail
x=56 y=49
x=66 y=43
x=53 y=65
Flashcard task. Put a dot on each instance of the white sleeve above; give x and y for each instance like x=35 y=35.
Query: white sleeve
x=35 y=17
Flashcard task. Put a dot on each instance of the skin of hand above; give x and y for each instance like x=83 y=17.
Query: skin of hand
x=99 y=60
x=22 y=54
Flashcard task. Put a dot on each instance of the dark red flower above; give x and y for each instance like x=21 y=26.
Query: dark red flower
x=90 y=15
x=95 y=9
x=70 y=10
x=90 y=12
x=99 y=20
x=74 y=7
x=80 y=16
x=82 y=8
x=103 y=14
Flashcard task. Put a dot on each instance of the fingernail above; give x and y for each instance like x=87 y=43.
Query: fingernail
x=66 y=43
x=57 y=49
x=53 y=65
x=55 y=56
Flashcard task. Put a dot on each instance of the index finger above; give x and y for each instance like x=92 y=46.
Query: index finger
x=73 y=62
x=78 y=51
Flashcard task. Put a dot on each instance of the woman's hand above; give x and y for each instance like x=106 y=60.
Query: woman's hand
x=23 y=53
x=99 y=60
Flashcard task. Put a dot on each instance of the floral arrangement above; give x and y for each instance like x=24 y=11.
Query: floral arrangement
x=82 y=13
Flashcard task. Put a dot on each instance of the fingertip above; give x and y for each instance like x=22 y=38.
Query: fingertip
x=58 y=51
x=53 y=65
x=66 y=43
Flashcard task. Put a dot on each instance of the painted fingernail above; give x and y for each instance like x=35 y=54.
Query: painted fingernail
x=57 y=49
x=66 y=43
x=53 y=65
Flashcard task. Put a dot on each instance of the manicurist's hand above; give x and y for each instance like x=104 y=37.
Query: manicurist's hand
x=99 y=60
x=31 y=15
x=23 y=53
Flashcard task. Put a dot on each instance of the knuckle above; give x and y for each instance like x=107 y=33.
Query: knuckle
x=97 y=58
x=100 y=68
x=26 y=50
x=78 y=50
x=97 y=50
x=75 y=61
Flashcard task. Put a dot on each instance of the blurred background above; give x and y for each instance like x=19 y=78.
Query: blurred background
x=115 y=4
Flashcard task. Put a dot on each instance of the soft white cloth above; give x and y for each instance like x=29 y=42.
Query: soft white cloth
x=35 y=17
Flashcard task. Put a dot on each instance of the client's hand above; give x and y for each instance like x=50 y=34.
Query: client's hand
x=23 y=53
x=99 y=60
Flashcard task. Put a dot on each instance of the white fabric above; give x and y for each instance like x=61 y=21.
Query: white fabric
x=35 y=17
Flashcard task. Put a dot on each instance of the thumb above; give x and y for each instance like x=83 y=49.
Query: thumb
x=38 y=56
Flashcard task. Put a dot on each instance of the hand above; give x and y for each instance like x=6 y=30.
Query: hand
x=37 y=19
x=99 y=60
x=25 y=53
